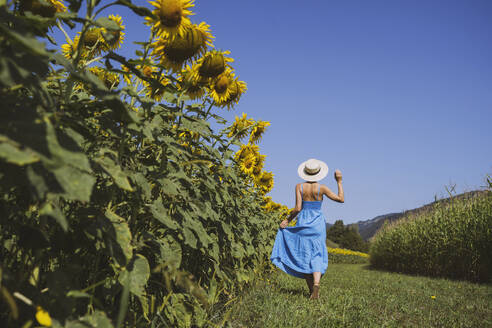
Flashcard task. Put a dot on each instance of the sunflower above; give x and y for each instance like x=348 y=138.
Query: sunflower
x=173 y=53
x=266 y=201
x=246 y=150
x=258 y=130
x=171 y=17
x=195 y=92
x=38 y=8
x=275 y=207
x=237 y=89
x=191 y=83
x=240 y=127
x=260 y=161
x=248 y=164
x=222 y=87
x=265 y=181
x=92 y=37
x=269 y=204
x=93 y=42
x=114 y=38
x=70 y=47
x=110 y=79
x=213 y=63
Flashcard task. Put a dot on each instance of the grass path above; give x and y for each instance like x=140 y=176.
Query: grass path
x=354 y=296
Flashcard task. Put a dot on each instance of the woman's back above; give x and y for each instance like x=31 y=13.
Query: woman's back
x=310 y=192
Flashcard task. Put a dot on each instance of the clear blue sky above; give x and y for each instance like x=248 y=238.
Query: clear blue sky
x=396 y=94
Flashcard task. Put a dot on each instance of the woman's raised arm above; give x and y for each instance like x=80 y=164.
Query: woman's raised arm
x=330 y=194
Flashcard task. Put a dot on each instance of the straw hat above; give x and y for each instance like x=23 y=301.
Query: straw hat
x=312 y=170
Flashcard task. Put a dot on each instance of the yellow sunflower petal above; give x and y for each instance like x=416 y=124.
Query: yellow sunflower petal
x=265 y=181
x=171 y=17
x=240 y=127
x=246 y=150
x=248 y=164
x=43 y=317
x=114 y=39
x=222 y=88
x=258 y=130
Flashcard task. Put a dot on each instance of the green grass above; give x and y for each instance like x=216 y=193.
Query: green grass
x=352 y=295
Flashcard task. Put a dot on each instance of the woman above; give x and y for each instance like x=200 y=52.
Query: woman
x=301 y=250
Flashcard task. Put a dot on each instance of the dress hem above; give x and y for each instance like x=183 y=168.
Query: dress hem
x=293 y=272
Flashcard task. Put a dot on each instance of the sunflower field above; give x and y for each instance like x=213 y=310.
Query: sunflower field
x=120 y=205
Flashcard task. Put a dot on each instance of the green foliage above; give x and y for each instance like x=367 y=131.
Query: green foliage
x=346 y=237
x=332 y=244
x=106 y=218
x=453 y=239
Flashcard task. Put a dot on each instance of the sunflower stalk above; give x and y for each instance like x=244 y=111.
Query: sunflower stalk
x=67 y=38
x=208 y=110
x=93 y=61
x=78 y=51
x=132 y=68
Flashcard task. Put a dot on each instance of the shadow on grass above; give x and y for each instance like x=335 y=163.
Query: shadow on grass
x=293 y=291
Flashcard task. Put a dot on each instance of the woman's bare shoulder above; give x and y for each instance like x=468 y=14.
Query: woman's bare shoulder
x=324 y=187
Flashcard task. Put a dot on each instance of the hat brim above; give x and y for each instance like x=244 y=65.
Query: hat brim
x=313 y=177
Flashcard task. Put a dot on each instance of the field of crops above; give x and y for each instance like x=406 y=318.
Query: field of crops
x=120 y=205
x=452 y=239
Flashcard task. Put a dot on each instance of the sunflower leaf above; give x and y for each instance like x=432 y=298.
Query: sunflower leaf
x=136 y=275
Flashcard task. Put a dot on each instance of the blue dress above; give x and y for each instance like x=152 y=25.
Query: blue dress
x=302 y=249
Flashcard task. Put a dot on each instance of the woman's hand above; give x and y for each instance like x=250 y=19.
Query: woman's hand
x=284 y=223
x=338 y=176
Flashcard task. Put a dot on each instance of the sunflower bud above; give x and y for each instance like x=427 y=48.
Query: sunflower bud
x=91 y=37
x=186 y=46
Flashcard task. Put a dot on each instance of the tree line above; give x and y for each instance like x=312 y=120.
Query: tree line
x=347 y=236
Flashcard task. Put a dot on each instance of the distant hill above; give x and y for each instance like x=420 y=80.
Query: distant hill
x=368 y=228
